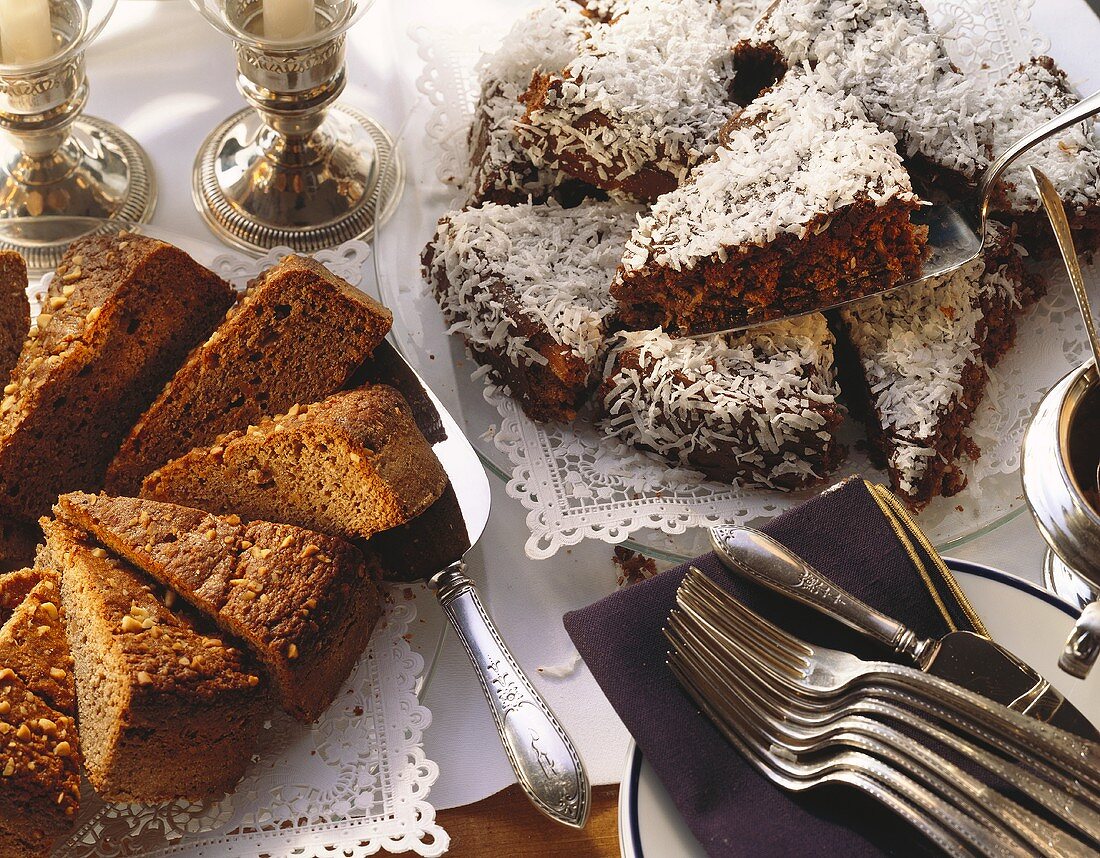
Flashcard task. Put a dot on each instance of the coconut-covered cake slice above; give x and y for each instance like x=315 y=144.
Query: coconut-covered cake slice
x=640 y=103
x=924 y=355
x=544 y=40
x=527 y=287
x=887 y=54
x=758 y=408
x=1032 y=94
x=805 y=204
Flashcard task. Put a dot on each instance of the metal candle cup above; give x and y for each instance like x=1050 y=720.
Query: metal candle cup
x=54 y=161
x=294 y=168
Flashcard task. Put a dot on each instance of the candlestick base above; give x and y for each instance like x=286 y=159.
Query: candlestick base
x=99 y=172
x=258 y=189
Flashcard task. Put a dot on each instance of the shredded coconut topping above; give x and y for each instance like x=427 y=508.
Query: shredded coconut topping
x=886 y=53
x=914 y=346
x=508 y=268
x=1023 y=101
x=799 y=152
x=543 y=40
x=763 y=397
x=657 y=78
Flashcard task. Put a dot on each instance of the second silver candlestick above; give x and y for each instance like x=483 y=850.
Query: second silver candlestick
x=295 y=169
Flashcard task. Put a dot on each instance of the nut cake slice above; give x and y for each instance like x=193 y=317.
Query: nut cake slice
x=129 y=309
x=887 y=54
x=168 y=707
x=758 y=408
x=804 y=204
x=1032 y=94
x=351 y=465
x=527 y=287
x=642 y=101
x=924 y=355
x=15 y=310
x=18 y=540
x=303 y=602
x=40 y=787
x=32 y=639
x=298 y=335
x=39 y=771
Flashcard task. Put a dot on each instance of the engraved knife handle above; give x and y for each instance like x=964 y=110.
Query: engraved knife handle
x=548 y=767
x=760 y=558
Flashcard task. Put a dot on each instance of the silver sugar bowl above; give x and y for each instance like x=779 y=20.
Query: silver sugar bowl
x=1060 y=456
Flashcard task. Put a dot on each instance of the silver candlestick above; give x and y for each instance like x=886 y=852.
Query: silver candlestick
x=55 y=161
x=294 y=168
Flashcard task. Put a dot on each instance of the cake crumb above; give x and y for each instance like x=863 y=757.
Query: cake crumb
x=633 y=567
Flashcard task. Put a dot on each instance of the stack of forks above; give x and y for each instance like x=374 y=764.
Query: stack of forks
x=806 y=715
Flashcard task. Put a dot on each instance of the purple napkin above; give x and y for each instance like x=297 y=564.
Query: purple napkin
x=850 y=535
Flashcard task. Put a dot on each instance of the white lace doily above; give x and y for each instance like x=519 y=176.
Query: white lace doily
x=353 y=783
x=577 y=485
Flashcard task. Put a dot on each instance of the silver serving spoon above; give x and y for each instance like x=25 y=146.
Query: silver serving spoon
x=1083 y=645
x=953 y=239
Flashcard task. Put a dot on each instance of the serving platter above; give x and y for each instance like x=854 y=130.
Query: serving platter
x=355 y=781
x=650 y=825
x=574 y=484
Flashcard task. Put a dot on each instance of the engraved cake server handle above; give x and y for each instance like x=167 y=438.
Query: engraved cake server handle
x=544 y=759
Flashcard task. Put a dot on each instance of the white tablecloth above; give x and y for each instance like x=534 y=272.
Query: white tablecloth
x=167 y=77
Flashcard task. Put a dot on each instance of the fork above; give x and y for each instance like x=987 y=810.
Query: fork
x=698 y=653
x=820 y=673
x=916 y=805
x=1052 y=794
x=1063 y=795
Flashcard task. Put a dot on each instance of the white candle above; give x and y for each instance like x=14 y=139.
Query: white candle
x=288 y=19
x=25 y=34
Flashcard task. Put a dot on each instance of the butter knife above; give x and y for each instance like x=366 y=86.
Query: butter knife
x=965 y=658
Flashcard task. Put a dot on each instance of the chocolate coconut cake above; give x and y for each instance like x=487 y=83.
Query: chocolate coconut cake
x=759 y=407
x=804 y=204
x=501 y=171
x=924 y=354
x=887 y=54
x=640 y=103
x=527 y=286
x=1036 y=92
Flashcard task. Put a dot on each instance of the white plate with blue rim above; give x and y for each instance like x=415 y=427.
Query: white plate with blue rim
x=651 y=827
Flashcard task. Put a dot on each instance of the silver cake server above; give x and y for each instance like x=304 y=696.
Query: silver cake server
x=965 y=658
x=546 y=764
x=956 y=233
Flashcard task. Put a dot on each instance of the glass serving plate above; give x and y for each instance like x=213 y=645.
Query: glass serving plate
x=575 y=486
x=354 y=782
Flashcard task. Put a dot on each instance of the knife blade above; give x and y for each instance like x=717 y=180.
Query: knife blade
x=965 y=658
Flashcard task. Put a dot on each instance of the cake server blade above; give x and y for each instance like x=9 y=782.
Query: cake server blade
x=956 y=232
x=965 y=658
x=542 y=755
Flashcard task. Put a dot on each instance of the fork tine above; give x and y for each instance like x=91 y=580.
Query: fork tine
x=728 y=621
x=724 y=602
